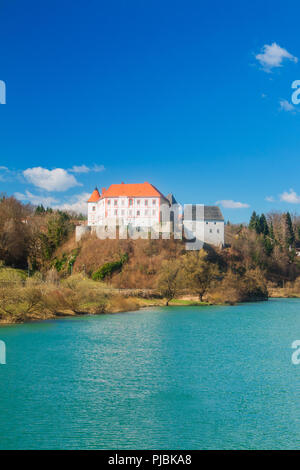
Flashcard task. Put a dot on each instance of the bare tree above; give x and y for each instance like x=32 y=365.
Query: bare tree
x=170 y=281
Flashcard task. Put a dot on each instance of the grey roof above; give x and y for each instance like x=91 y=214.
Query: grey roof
x=201 y=212
x=213 y=213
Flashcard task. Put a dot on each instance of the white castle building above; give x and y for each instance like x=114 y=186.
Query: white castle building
x=142 y=207
x=138 y=205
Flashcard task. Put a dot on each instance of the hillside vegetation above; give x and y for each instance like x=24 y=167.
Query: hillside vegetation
x=44 y=272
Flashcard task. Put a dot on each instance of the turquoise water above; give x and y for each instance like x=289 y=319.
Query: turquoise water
x=178 y=378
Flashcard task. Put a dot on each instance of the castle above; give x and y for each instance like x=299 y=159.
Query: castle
x=138 y=205
x=141 y=207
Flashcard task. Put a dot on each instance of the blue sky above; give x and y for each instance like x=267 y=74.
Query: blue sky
x=193 y=96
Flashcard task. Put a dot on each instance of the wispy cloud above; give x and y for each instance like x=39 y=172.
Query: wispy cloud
x=269 y=199
x=3 y=171
x=86 y=169
x=50 y=180
x=76 y=203
x=230 y=204
x=36 y=199
x=7 y=175
x=287 y=106
x=273 y=55
x=290 y=196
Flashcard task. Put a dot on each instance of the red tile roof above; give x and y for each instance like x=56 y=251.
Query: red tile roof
x=95 y=196
x=132 y=190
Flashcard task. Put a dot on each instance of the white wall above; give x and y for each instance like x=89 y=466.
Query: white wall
x=214 y=232
x=210 y=232
x=149 y=212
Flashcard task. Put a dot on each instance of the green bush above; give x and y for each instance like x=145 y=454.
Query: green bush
x=108 y=269
x=66 y=261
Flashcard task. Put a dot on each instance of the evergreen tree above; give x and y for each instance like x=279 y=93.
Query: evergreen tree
x=40 y=209
x=289 y=235
x=254 y=221
x=263 y=225
x=271 y=232
x=268 y=244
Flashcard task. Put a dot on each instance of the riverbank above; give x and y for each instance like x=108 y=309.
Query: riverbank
x=118 y=304
x=26 y=299
x=283 y=293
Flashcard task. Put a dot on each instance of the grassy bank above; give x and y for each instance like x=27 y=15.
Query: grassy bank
x=39 y=297
x=32 y=299
x=24 y=299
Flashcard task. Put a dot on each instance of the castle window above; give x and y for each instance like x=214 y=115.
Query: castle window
x=138 y=202
x=130 y=202
x=115 y=202
x=210 y=230
x=146 y=203
x=154 y=202
x=116 y=211
x=138 y=212
x=218 y=231
x=108 y=202
x=94 y=208
x=154 y=212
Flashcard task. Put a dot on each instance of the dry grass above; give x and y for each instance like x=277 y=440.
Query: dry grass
x=119 y=303
x=290 y=289
x=142 y=268
x=38 y=300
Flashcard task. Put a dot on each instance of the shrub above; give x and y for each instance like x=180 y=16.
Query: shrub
x=236 y=288
x=119 y=303
x=20 y=303
x=108 y=269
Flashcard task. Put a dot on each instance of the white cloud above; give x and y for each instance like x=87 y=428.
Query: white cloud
x=273 y=56
x=269 y=199
x=98 y=168
x=86 y=169
x=79 y=169
x=7 y=175
x=229 y=204
x=291 y=197
x=36 y=199
x=50 y=180
x=286 y=106
x=76 y=203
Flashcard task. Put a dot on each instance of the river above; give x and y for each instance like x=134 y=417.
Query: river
x=163 y=378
